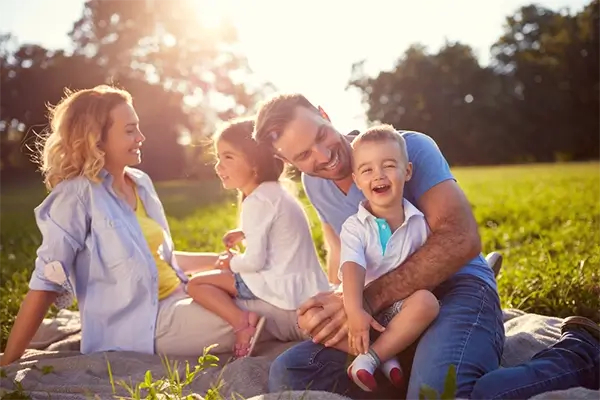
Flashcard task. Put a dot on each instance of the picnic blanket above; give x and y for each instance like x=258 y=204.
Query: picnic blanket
x=54 y=368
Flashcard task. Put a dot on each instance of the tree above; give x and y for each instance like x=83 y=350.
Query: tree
x=538 y=101
x=446 y=95
x=200 y=69
x=553 y=58
x=184 y=77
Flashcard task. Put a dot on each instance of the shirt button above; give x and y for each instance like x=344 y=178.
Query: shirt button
x=383 y=226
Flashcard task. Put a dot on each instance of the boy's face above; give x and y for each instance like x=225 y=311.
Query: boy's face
x=380 y=172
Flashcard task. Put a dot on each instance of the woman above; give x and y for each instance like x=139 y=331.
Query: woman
x=106 y=241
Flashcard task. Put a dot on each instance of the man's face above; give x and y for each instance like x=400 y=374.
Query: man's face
x=311 y=144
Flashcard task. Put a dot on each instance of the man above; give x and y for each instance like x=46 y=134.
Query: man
x=468 y=332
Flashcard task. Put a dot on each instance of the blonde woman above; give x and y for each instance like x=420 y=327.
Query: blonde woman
x=106 y=241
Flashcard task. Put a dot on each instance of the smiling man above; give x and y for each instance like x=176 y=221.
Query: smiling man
x=468 y=332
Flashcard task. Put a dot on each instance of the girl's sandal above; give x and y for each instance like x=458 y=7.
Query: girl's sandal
x=240 y=350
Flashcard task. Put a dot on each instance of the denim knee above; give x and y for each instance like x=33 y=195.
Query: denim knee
x=277 y=377
x=309 y=365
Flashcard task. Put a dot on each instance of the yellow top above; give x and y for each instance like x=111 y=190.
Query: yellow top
x=168 y=280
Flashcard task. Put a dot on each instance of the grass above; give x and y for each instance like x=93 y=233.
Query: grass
x=543 y=218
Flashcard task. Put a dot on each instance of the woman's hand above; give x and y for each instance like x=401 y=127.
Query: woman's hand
x=233 y=237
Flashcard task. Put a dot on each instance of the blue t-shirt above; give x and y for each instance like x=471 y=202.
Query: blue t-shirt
x=429 y=168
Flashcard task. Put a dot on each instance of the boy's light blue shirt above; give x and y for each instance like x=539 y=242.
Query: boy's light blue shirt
x=109 y=267
x=429 y=168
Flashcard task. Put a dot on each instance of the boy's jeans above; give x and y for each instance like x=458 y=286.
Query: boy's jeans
x=468 y=332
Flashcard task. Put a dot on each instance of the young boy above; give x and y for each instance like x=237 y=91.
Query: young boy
x=377 y=239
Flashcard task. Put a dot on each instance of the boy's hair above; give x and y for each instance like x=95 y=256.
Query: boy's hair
x=382 y=133
x=238 y=132
x=275 y=113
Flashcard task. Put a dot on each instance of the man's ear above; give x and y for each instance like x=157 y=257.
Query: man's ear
x=324 y=114
x=409 y=171
x=354 y=179
x=282 y=158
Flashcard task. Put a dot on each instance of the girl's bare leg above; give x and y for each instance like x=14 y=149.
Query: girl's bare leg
x=215 y=291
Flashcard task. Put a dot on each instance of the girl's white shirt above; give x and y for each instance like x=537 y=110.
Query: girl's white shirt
x=280 y=263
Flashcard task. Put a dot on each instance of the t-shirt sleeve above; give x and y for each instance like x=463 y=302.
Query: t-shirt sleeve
x=429 y=165
x=310 y=188
x=352 y=244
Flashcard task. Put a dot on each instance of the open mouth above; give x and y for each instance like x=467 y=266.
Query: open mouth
x=379 y=189
x=333 y=163
x=135 y=151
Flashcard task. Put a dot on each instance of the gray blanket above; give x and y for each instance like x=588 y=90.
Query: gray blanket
x=54 y=368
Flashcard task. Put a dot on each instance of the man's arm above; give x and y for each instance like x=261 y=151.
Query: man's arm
x=454 y=240
x=332 y=246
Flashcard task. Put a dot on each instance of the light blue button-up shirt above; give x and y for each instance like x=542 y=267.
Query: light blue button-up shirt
x=108 y=265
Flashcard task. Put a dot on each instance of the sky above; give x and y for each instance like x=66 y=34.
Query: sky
x=310 y=46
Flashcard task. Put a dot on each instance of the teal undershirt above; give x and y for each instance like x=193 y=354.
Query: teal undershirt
x=385 y=233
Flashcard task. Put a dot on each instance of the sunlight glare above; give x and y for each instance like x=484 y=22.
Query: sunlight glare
x=212 y=13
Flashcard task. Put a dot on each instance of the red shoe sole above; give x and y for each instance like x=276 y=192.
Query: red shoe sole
x=363 y=380
x=396 y=377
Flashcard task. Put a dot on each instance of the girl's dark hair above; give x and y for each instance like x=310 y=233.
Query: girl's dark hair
x=238 y=133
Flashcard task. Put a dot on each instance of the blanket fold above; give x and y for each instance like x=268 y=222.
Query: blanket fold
x=54 y=368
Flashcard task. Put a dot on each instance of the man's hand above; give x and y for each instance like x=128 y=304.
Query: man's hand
x=3 y=361
x=233 y=237
x=359 y=324
x=324 y=318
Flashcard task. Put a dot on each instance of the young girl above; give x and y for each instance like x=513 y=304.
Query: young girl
x=280 y=264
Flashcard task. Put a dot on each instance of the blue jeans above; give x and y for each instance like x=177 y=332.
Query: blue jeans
x=571 y=362
x=244 y=292
x=468 y=332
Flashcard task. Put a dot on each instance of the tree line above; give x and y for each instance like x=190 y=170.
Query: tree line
x=184 y=77
x=537 y=101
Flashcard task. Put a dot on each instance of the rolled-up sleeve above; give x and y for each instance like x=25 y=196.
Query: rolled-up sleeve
x=352 y=244
x=257 y=217
x=63 y=223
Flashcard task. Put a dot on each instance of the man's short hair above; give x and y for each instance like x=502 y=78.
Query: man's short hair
x=275 y=113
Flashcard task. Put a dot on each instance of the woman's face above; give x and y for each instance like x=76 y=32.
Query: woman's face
x=232 y=167
x=124 y=139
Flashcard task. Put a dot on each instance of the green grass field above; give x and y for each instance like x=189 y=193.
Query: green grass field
x=543 y=218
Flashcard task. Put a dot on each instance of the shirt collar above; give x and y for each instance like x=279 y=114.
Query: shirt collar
x=409 y=211
x=133 y=173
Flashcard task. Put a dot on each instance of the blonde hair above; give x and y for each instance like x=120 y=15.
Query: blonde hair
x=382 y=133
x=78 y=123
